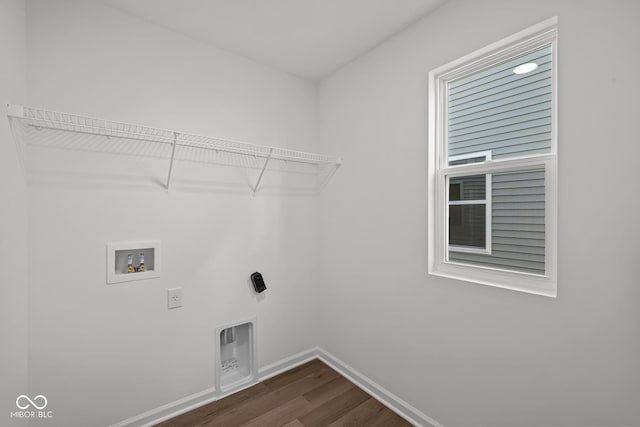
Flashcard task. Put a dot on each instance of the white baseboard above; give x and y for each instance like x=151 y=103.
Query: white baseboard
x=186 y=404
x=209 y=395
x=384 y=396
x=170 y=410
x=287 y=363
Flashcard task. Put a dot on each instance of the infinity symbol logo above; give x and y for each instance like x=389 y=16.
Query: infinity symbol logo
x=31 y=402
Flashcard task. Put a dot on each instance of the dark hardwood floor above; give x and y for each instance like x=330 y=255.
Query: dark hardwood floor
x=309 y=395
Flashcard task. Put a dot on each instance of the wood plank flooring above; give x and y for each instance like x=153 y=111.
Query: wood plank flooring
x=310 y=395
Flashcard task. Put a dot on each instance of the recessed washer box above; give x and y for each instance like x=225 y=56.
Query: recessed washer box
x=118 y=263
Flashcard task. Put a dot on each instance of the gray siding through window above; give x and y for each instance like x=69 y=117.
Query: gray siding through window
x=509 y=115
x=497 y=110
x=518 y=227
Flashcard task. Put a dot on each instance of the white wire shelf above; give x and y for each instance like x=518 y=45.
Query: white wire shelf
x=175 y=145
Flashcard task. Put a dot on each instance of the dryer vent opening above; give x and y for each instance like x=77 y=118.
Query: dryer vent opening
x=236 y=364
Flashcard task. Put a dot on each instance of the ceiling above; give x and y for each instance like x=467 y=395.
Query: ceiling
x=309 y=38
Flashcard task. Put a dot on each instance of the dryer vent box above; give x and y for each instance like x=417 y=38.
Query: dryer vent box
x=235 y=356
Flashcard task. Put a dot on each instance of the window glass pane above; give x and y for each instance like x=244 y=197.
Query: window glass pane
x=466 y=161
x=467 y=188
x=467 y=225
x=500 y=111
x=517 y=224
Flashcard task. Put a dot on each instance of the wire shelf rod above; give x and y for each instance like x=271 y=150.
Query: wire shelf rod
x=198 y=146
x=135 y=136
x=183 y=146
x=186 y=140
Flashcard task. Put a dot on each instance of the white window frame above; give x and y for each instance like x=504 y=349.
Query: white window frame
x=537 y=36
x=486 y=202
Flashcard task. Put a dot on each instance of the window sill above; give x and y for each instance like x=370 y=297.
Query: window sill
x=515 y=281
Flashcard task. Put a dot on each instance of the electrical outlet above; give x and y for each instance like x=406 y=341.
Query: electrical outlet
x=174 y=297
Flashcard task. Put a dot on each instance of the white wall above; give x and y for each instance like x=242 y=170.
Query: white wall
x=13 y=216
x=463 y=354
x=103 y=353
x=471 y=355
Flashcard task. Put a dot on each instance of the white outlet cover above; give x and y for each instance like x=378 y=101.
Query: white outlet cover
x=174 y=298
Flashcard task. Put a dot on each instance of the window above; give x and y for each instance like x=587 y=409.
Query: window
x=492 y=164
x=469 y=205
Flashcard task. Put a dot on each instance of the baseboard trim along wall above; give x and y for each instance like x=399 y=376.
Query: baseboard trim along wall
x=170 y=410
x=288 y=363
x=381 y=394
x=180 y=406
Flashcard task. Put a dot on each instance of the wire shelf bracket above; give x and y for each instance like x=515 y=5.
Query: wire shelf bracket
x=266 y=162
x=173 y=156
